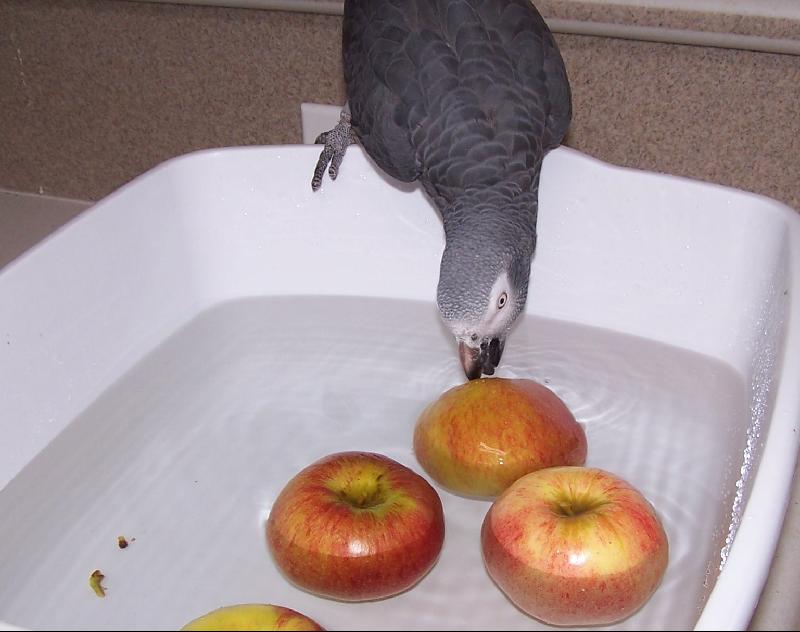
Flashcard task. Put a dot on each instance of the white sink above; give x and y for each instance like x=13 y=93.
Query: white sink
x=173 y=356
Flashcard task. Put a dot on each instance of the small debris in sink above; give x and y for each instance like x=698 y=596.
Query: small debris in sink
x=122 y=542
x=95 y=580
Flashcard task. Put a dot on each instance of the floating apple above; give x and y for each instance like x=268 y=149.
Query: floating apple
x=574 y=546
x=356 y=526
x=253 y=617
x=478 y=438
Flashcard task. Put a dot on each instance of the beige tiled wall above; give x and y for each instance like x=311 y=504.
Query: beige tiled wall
x=94 y=92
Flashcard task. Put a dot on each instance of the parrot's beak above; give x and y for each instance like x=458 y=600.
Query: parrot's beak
x=470 y=360
x=484 y=359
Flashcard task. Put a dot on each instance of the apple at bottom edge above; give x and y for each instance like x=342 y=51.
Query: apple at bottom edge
x=253 y=616
x=356 y=526
x=574 y=546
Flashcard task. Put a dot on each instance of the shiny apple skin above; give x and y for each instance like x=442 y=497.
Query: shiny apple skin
x=356 y=526
x=253 y=616
x=479 y=437
x=574 y=546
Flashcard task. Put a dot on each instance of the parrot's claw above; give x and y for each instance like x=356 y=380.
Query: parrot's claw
x=336 y=142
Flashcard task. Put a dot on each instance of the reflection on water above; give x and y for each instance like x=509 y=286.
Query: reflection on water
x=187 y=451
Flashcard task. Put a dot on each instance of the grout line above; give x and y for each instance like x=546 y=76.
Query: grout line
x=659 y=34
x=689 y=37
x=329 y=7
x=10 y=195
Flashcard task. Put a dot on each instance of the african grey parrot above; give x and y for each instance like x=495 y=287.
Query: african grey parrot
x=465 y=96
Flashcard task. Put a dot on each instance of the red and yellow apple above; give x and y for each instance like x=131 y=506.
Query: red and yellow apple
x=478 y=438
x=253 y=616
x=574 y=546
x=356 y=526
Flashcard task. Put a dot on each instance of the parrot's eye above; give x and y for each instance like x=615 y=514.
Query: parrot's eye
x=502 y=300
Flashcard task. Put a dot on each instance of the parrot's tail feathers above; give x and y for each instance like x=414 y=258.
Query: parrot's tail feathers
x=336 y=142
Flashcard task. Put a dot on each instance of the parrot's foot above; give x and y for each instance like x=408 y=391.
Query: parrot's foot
x=336 y=142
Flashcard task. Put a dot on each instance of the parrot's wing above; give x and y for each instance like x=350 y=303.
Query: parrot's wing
x=455 y=93
x=560 y=95
x=381 y=83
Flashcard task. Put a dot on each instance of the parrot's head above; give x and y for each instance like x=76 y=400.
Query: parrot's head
x=483 y=286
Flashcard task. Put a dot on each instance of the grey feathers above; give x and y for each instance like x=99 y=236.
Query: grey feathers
x=457 y=93
x=465 y=96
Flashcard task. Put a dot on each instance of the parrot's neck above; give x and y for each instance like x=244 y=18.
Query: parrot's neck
x=503 y=211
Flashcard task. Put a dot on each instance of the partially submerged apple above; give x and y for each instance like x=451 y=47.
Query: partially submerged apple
x=574 y=546
x=478 y=438
x=356 y=526
x=253 y=617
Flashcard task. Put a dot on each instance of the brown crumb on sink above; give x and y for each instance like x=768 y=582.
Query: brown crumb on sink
x=122 y=542
x=95 y=580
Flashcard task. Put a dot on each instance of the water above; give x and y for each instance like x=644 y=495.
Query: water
x=185 y=453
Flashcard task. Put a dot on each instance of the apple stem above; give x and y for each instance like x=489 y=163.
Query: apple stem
x=569 y=507
x=364 y=496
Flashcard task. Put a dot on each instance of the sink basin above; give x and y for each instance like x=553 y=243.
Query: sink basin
x=175 y=354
